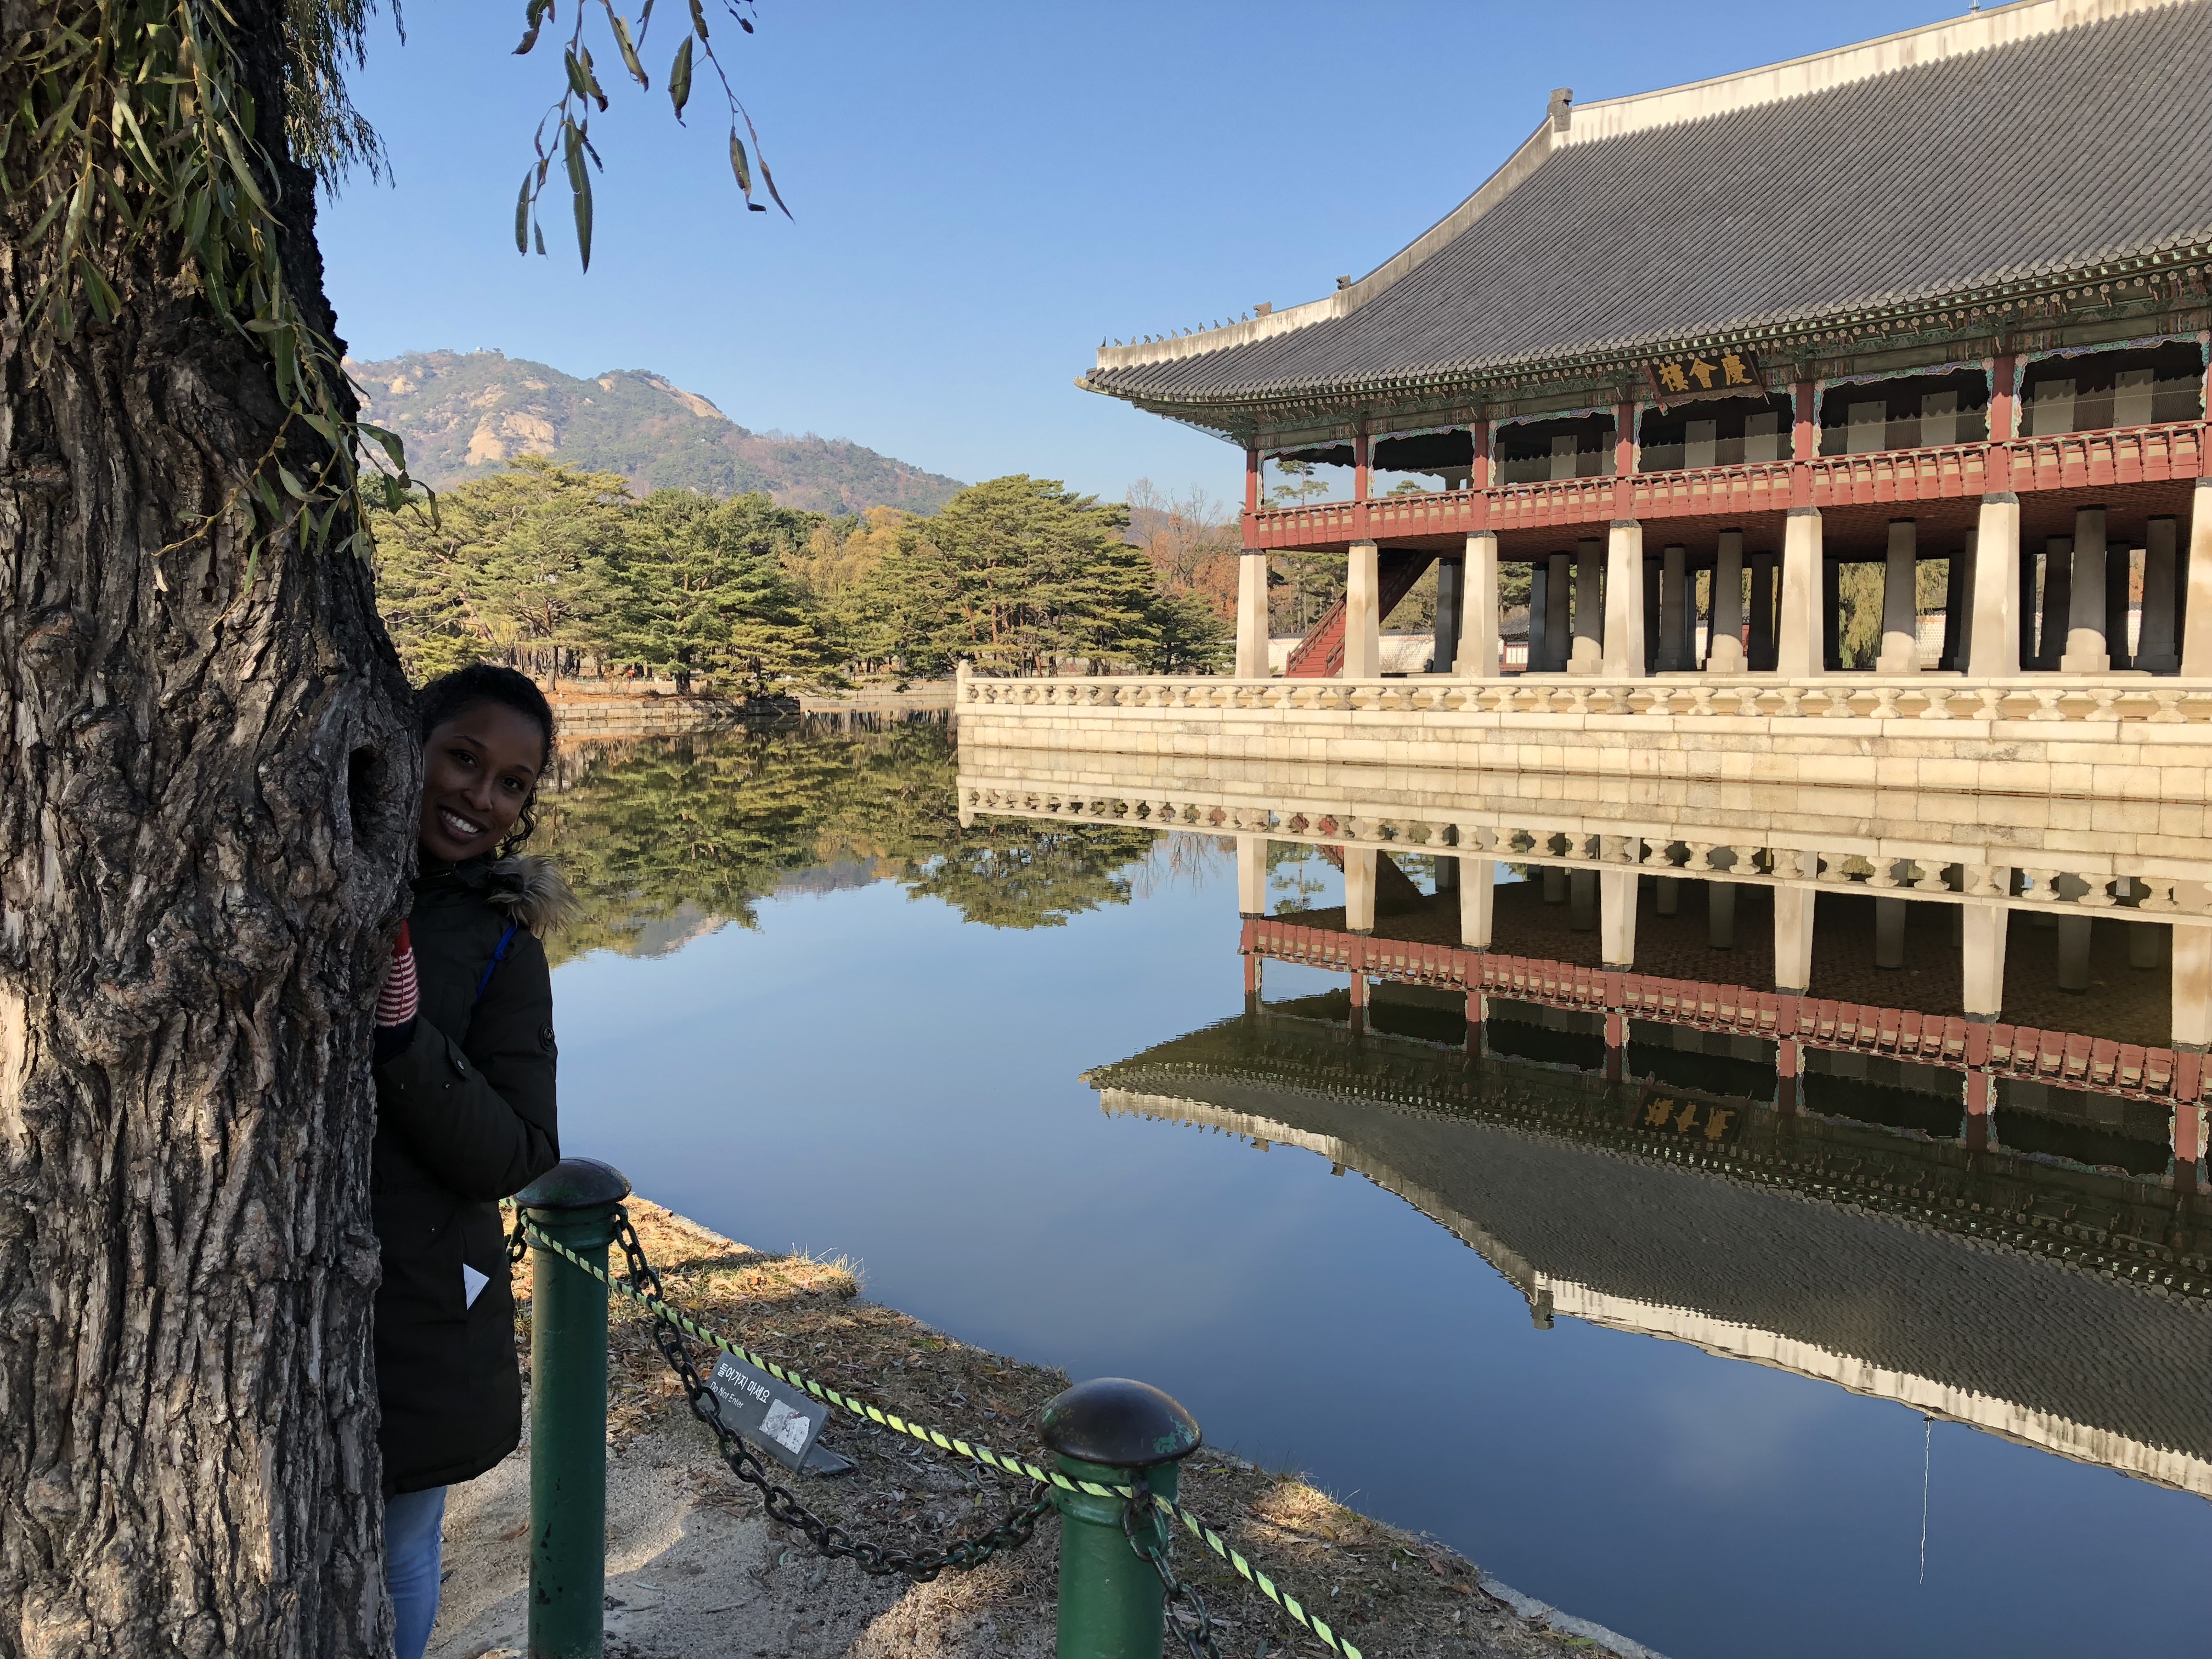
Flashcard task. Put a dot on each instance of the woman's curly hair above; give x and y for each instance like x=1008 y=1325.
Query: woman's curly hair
x=484 y=682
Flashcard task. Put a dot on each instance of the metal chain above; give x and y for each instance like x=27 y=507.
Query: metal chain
x=1197 y=1637
x=781 y=1505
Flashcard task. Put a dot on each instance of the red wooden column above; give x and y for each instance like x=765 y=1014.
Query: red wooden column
x=1362 y=476
x=1475 y=1013
x=1804 y=440
x=2005 y=406
x=1624 y=460
x=1981 y=1107
x=1358 y=1002
x=1251 y=481
x=1788 y=1062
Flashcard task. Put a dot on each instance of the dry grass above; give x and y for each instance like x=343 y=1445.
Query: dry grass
x=1396 y=1595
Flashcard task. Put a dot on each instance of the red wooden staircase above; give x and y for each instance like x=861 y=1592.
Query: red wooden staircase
x=1320 y=655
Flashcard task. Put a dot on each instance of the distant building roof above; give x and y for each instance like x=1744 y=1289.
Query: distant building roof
x=2035 y=138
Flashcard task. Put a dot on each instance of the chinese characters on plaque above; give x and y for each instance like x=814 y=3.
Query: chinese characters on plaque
x=1677 y=377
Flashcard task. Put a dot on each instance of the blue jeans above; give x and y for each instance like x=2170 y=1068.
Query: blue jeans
x=414 y=1554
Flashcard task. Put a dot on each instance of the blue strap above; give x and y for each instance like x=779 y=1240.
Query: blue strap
x=499 y=953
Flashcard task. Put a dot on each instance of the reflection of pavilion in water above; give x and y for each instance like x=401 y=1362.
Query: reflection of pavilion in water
x=1988 y=1287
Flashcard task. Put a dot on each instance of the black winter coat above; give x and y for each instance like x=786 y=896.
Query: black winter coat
x=464 y=1117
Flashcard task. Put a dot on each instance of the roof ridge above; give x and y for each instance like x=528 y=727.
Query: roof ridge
x=1840 y=66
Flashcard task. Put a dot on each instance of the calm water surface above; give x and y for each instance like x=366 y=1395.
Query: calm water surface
x=810 y=1011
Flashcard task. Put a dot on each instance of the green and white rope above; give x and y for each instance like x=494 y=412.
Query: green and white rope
x=937 y=1439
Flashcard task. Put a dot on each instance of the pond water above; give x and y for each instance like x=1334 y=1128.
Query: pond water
x=1011 y=1070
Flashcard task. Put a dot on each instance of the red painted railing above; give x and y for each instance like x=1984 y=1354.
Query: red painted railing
x=2070 y=460
x=2067 y=1059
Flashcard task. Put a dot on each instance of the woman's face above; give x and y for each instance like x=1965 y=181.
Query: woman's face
x=478 y=768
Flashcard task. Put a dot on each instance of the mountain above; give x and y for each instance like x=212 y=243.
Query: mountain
x=464 y=414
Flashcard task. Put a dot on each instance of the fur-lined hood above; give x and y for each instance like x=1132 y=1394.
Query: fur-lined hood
x=533 y=891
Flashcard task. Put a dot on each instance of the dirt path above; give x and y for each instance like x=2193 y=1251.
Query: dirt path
x=695 y=1570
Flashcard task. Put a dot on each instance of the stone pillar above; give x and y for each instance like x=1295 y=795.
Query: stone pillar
x=1959 y=608
x=1582 y=896
x=1720 y=915
x=1724 y=645
x=1831 y=615
x=1982 y=957
x=2118 y=562
x=2159 y=647
x=1360 y=890
x=1666 y=895
x=2086 y=649
x=1451 y=576
x=1252 y=616
x=1624 y=600
x=1616 y=925
x=1555 y=884
x=1588 y=654
x=1675 y=635
x=1555 y=615
x=1797 y=649
x=1478 y=889
x=1362 y=618
x=1251 y=875
x=1652 y=650
x=1889 y=932
x=1792 y=936
x=2073 y=953
x=2196 y=586
x=1478 y=632
x=1761 y=654
x=2058 y=601
x=1994 y=652
x=1539 y=587
x=1900 y=602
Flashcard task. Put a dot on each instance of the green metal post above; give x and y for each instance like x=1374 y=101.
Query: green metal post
x=573 y=1204
x=1111 y=1597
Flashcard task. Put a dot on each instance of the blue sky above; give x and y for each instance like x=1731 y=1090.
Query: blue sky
x=982 y=190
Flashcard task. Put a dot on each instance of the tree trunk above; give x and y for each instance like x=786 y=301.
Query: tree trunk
x=206 y=805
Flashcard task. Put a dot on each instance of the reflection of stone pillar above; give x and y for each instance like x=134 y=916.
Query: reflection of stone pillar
x=1889 y=932
x=1900 y=602
x=1994 y=649
x=1724 y=644
x=2159 y=646
x=1624 y=600
x=1720 y=914
x=1363 y=615
x=1451 y=576
x=1788 y=1063
x=1359 y=889
x=1477 y=893
x=2196 y=585
x=1666 y=894
x=1674 y=611
x=1792 y=936
x=1478 y=633
x=1797 y=649
x=1981 y=956
x=2086 y=649
x=1589 y=656
x=2073 y=953
x=2192 y=987
x=1252 y=616
x=1251 y=875
x=1617 y=908
x=1582 y=889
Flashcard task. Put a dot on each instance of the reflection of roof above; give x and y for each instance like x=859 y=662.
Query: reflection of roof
x=1876 y=176
x=1888 y=1304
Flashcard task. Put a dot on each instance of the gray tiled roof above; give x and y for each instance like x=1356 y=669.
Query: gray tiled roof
x=2072 y=148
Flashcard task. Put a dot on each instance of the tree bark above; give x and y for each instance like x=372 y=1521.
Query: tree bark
x=206 y=802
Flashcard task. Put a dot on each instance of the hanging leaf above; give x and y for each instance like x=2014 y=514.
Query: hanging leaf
x=539 y=11
x=580 y=190
x=629 y=49
x=679 y=78
x=698 y=19
x=522 y=217
x=738 y=164
x=389 y=440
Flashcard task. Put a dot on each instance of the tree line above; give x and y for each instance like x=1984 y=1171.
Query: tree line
x=564 y=572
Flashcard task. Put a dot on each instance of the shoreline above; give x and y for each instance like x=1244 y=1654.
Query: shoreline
x=696 y=1569
x=651 y=711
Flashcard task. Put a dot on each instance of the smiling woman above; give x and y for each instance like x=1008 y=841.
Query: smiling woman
x=465 y=1109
